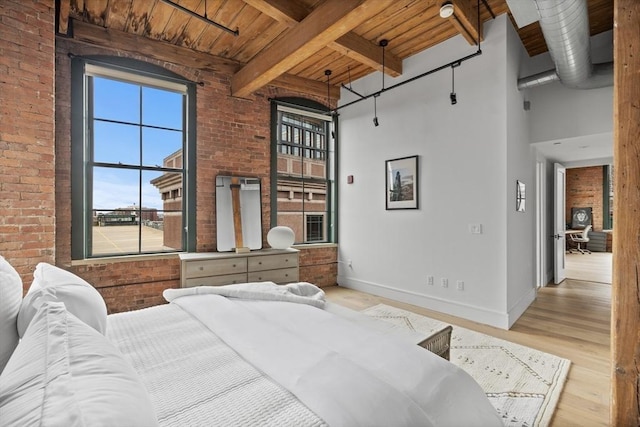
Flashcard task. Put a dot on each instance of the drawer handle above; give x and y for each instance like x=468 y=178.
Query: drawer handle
x=286 y=260
x=201 y=268
x=259 y=262
x=286 y=275
x=234 y=266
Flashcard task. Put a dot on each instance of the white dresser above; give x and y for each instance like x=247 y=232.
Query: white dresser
x=225 y=268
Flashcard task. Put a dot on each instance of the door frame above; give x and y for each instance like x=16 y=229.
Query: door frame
x=541 y=225
x=559 y=222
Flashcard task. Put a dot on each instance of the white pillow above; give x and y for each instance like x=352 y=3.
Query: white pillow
x=10 y=299
x=51 y=283
x=64 y=373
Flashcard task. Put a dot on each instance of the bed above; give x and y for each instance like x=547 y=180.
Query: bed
x=249 y=355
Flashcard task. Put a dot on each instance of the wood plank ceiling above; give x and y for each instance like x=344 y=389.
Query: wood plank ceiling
x=292 y=42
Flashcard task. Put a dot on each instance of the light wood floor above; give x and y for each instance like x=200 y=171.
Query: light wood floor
x=593 y=267
x=571 y=320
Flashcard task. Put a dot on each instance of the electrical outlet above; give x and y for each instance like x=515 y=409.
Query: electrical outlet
x=445 y=282
x=460 y=285
x=430 y=280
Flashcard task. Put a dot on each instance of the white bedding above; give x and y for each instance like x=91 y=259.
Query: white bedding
x=195 y=379
x=338 y=371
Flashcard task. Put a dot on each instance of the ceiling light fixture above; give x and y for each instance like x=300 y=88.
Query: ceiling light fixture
x=375 y=110
x=446 y=10
x=452 y=96
x=328 y=74
x=383 y=43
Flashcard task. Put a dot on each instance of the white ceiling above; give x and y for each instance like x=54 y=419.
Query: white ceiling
x=587 y=150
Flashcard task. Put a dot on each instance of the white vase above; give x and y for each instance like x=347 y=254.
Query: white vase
x=280 y=237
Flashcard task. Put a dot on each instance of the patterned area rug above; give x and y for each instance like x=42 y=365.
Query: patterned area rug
x=522 y=383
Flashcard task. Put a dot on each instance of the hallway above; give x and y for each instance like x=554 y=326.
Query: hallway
x=593 y=267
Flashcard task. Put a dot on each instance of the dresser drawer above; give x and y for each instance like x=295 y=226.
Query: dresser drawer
x=283 y=275
x=272 y=262
x=227 y=279
x=215 y=267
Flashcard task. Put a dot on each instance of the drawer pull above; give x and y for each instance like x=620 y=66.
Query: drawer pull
x=259 y=278
x=259 y=262
x=234 y=266
x=286 y=260
x=201 y=268
x=286 y=275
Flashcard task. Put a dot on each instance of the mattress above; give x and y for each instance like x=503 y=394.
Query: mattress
x=211 y=360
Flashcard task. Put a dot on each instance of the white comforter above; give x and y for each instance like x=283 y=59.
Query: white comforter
x=347 y=374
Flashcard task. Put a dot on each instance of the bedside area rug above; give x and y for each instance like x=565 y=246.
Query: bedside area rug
x=522 y=383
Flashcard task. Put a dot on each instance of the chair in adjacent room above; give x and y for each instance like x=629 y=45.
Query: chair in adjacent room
x=581 y=239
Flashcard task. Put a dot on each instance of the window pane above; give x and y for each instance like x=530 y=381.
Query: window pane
x=115 y=100
x=114 y=232
x=115 y=188
x=163 y=203
x=302 y=186
x=161 y=108
x=315 y=228
x=295 y=221
x=162 y=234
x=159 y=147
x=116 y=143
x=315 y=168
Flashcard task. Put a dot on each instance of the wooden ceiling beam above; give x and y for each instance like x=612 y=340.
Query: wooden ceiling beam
x=95 y=35
x=63 y=16
x=465 y=20
x=284 y=11
x=351 y=44
x=367 y=53
x=300 y=84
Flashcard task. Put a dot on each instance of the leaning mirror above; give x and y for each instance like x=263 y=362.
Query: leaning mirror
x=238 y=214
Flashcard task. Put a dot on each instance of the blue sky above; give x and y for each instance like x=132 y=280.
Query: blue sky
x=136 y=140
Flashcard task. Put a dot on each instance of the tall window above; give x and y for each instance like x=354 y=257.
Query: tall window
x=303 y=172
x=131 y=151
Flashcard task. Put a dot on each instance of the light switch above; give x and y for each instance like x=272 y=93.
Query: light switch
x=475 y=228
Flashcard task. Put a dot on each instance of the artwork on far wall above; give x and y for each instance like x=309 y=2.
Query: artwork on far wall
x=580 y=218
x=520 y=196
x=401 y=183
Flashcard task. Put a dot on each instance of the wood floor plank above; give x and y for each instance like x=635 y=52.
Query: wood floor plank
x=570 y=320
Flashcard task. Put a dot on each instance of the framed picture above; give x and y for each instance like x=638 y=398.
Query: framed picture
x=520 y=196
x=402 y=183
x=580 y=218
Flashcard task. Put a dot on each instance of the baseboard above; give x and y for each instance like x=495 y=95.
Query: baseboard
x=465 y=311
x=521 y=306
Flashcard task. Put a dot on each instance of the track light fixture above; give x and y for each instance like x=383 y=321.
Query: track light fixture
x=328 y=74
x=452 y=96
x=375 y=110
x=383 y=43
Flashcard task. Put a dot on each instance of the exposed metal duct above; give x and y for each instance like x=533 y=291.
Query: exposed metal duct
x=565 y=26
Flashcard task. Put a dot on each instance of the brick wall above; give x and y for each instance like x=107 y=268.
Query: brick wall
x=233 y=138
x=27 y=167
x=584 y=190
x=35 y=158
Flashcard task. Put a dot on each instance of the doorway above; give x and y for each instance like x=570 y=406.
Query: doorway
x=589 y=188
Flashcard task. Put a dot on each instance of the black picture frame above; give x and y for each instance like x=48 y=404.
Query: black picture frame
x=401 y=183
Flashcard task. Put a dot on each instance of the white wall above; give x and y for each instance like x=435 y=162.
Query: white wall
x=574 y=117
x=464 y=178
x=521 y=263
